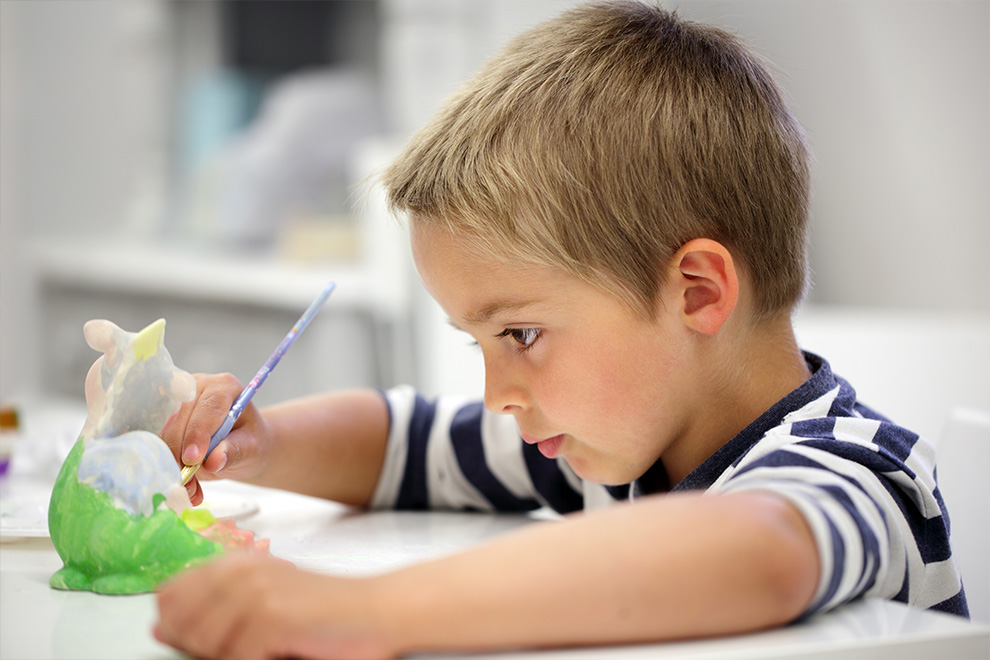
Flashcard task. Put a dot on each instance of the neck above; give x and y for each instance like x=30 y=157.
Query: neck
x=743 y=374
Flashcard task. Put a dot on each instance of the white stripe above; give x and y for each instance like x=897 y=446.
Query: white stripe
x=857 y=431
x=504 y=453
x=915 y=567
x=400 y=402
x=941 y=582
x=921 y=461
x=596 y=497
x=890 y=581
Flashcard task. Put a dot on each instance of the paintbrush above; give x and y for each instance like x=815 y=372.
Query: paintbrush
x=259 y=378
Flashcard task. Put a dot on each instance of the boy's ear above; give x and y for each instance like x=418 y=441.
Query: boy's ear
x=707 y=284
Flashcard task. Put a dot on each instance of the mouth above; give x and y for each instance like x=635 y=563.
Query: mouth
x=549 y=447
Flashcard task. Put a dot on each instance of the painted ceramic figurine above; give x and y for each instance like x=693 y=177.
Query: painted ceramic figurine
x=115 y=513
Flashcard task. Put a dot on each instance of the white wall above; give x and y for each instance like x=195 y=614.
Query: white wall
x=14 y=368
x=84 y=110
x=913 y=366
x=895 y=97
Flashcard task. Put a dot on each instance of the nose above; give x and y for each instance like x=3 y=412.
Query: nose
x=504 y=392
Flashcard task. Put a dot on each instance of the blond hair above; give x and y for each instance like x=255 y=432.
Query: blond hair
x=603 y=140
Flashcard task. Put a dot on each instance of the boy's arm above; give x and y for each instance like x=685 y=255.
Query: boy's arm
x=667 y=567
x=329 y=445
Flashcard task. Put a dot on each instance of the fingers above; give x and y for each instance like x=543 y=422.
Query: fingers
x=195 y=490
x=217 y=459
x=182 y=604
x=195 y=610
x=241 y=455
x=217 y=611
x=214 y=396
x=245 y=606
x=188 y=436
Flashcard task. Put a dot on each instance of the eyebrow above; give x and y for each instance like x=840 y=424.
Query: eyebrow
x=485 y=314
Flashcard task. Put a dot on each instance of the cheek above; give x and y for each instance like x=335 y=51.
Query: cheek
x=593 y=390
x=618 y=392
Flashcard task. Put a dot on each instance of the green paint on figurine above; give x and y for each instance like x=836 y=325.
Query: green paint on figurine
x=108 y=517
x=111 y=551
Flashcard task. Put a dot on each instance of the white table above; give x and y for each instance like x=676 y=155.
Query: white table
x=39 y=622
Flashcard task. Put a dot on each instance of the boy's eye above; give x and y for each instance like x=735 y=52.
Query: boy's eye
x=525 y=337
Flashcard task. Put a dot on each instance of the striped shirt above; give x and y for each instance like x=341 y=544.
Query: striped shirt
x=866 y=486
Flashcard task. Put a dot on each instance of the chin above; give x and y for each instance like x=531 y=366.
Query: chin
x=601 y=474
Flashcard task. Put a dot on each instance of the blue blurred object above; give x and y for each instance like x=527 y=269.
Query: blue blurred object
x=216 y=108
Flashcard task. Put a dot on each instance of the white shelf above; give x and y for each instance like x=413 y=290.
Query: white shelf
x=225 y=312
x=195 y=274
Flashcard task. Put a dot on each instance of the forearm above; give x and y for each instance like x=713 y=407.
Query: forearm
x=328 y=445
x=670 y=567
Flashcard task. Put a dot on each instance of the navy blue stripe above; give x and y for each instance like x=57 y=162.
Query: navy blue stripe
x=414 y=491
x=822 y=428
x=620 y=493
x=550 y=482
x=782 y=458
x=844 y=404
x=876 y=460
x=955 y=605
x=838 y=561
x=465 y=434
x=896 y=441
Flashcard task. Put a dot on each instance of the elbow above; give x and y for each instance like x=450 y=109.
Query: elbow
x=792 y=568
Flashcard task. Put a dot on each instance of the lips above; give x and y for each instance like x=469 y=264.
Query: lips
x=549 y=447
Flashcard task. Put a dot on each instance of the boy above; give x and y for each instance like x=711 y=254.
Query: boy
x=615 y=209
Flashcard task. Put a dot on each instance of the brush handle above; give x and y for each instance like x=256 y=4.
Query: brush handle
x=244 y=398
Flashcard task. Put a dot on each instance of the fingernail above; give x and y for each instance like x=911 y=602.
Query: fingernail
x=223 y=462
x=190 y=456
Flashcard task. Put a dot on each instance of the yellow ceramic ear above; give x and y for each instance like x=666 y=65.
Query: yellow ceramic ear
x=148 y=341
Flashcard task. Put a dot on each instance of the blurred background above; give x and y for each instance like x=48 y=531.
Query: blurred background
x=203 y=161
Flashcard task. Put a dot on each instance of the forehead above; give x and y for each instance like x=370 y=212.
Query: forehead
x=472 y=284
x=431 y=241
x=435 y=245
